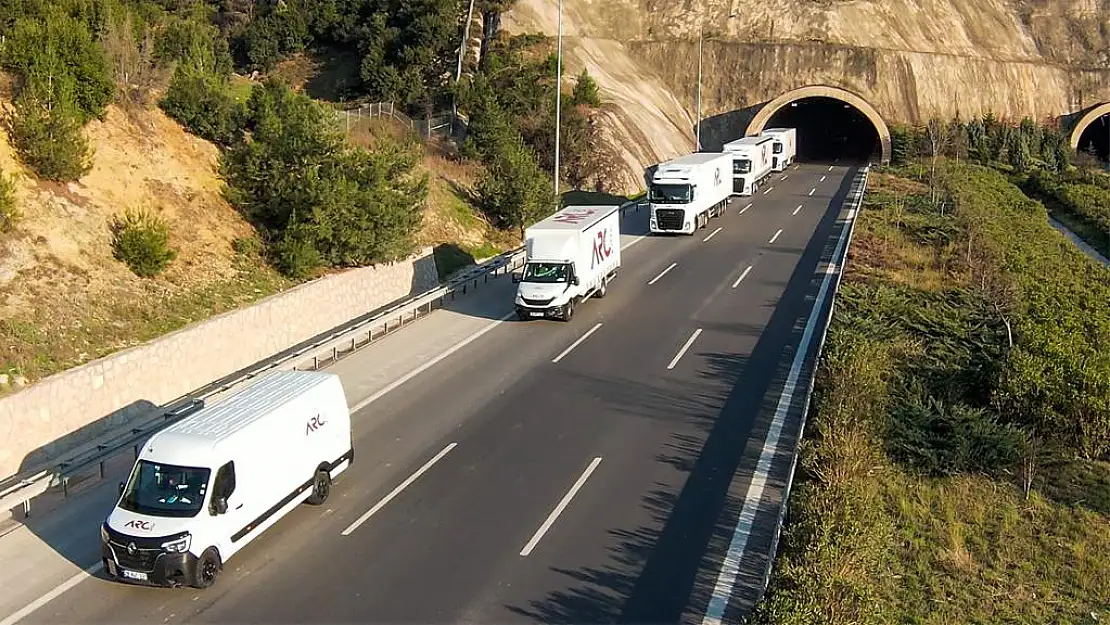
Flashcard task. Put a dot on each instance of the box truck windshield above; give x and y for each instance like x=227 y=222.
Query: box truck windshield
x=164 y=490
x=545 y=273
x=670 y=194
x=777 y=148
x=742 y=166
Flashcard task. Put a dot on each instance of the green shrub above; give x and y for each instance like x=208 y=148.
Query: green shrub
x=140 y=239
x=48 y=137
x=9 y=211
x=249 y=246
x=202 y=102
x=586 y=90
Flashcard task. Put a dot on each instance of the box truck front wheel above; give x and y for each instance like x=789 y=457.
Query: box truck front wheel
x=321 y=488
x=208 y=567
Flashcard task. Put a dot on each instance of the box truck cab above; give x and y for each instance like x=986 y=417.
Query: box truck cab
x=208 y=485
x=685 y=193
x=784 y=148
x=569 y=257
x=751 y=163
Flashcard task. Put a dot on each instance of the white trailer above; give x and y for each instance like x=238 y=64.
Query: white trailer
x=569 y=257
x=208 y=485
x=685 y=193
x=751 y=163
x=785 y=147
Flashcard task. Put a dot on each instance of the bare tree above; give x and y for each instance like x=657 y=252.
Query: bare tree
x=939 y=135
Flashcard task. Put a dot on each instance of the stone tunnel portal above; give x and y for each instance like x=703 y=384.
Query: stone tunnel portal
x=832 y=124
x=1092 y=136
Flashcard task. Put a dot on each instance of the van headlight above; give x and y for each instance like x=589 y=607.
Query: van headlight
x=103 y=533
x=178 y=545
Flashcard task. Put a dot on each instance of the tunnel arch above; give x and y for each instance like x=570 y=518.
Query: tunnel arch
x=1093 y=115
x=759 y=122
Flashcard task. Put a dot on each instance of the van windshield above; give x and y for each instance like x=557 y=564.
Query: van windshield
x=670 y=194
x=545 y=272
x=165 y=490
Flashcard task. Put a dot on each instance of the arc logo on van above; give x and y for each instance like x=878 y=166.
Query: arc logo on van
x=603 y=247
x=139 y=524
x=314 y=424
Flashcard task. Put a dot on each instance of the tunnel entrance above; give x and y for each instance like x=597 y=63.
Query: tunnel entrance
x=1096 y=138
x=828 y=129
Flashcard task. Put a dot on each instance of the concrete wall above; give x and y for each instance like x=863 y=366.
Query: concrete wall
x=67 y=410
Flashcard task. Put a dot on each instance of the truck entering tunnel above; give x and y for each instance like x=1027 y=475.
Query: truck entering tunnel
x=828 y=129
x=1096 y=138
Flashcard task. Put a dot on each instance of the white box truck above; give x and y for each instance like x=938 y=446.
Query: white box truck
x=751 y=163
x=569 y=257
x=785 y=147
x=208 y=485
x=687 y=192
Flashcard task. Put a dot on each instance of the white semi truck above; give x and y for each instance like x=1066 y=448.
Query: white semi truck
x=751 y=163
x=785 y=147
x=685 y=193
x=569 y=257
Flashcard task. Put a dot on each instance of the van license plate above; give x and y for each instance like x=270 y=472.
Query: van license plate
x=133 y=575
x=536 y=313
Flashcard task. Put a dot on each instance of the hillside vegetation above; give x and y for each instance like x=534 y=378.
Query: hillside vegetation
x=159 y=165
x=955 y=464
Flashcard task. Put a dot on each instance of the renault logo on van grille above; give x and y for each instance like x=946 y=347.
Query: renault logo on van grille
x=131 y=549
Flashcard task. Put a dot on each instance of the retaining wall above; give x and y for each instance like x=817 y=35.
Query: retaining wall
x=67 y=410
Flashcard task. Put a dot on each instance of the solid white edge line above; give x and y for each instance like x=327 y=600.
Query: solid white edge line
x=577 y=343
x=730 y=567
x=656 y=278
x=713 y=234
x=798 y=209
x=742 y=276
x=427 y=365
x=26 y=610
x=397 y=491
x=682 y=352
x=775 y=238
x=563 y=503
x=742 y=210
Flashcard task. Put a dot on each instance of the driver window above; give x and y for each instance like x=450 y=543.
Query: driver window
x=224 y=484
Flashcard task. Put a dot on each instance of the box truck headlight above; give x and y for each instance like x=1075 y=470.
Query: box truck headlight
x=178 y=545
x=686 y=225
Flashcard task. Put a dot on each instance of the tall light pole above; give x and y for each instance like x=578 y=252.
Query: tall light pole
x=558 y=94
x=697 y=124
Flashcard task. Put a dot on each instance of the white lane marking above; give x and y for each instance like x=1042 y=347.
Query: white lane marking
x=830 y=167
x=774 y=238
x=743 y=210
x=769 y=189
x=813 y=190
x=713 y=234
x=742 y=276
x=656 y=278
x=397 y=491
x=577 y=343
x=424 y=367
x=784 y=177
x=633 y=242
x=26 y=610
x=798 y=209
x=823 y=178
x=559 y=508
x=730 y=567
x=682 y=352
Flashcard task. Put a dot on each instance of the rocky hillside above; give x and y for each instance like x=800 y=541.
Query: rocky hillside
x=911 y=59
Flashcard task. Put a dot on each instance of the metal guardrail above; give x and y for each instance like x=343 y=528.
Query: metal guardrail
x=856 y=194
x=321 y=351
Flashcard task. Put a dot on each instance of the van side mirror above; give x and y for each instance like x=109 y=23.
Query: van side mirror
x=221 y=505
x=575 y=281
x=517 y=277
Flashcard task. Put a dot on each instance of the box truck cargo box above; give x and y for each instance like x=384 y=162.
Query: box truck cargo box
x=785 y=147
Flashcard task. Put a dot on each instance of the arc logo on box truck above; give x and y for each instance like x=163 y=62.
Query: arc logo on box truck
x=603 y=247
x=572 y=215
x=314 y=424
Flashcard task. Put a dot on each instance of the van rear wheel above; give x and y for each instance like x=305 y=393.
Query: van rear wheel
x=321 y=488
x=208 y=567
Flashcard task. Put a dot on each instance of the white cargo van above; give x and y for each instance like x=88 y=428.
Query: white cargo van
x=569 y=257
x=751 y=163
x=687 y=192
x=785 y=147
x=206 y=486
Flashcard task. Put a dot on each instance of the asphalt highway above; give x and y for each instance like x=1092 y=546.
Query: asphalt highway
x=590 y=471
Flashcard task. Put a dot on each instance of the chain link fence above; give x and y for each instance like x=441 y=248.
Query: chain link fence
x=444 y=123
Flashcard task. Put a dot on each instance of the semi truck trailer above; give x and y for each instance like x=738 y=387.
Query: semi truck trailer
x=685 y=193
x=751 y=163
x=569 y=257
x=785 y=147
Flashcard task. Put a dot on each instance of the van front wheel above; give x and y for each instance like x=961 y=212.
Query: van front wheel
x=208 y=567
x=321 y=488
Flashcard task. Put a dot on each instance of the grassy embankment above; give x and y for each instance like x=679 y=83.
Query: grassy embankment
x=1080 y=200
x=953 y=469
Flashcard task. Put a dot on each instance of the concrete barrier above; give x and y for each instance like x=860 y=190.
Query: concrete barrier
x=67 y=410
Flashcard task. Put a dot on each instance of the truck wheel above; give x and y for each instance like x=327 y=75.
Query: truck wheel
x=601 y=290
x=208 y=567
x=321 y=488
x=568 y=312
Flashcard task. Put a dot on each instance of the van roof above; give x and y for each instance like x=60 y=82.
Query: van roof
x=574 y=218
x=204 y=430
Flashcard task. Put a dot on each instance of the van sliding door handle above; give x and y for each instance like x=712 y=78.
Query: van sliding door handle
x=238 y=506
